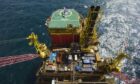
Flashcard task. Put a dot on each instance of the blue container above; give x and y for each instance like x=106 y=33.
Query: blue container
x=88 y=57
x=52 y=56
x=78 y=68
x=87 y=61
x=87 y=69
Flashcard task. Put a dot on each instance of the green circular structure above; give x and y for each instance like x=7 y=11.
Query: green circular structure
x=63 y=17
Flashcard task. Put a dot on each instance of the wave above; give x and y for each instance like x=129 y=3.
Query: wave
x=120 y=31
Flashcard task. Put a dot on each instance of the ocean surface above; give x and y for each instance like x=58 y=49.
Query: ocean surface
x=18 y=18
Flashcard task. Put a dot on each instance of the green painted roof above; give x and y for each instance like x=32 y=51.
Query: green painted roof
x=61 y=20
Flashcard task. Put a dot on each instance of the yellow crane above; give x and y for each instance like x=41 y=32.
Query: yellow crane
x=112 y=65
x=41 y=48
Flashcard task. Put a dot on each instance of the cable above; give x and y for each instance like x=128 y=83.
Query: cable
x=9 y=60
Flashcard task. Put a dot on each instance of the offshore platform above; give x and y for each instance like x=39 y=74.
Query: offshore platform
x=73 y=57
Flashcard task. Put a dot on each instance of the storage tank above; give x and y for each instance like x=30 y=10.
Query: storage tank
x=64 y=27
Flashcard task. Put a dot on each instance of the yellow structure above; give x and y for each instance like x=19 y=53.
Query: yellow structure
x=112 y=65
x=115 y=63
x=41 y=48
x=89 y=32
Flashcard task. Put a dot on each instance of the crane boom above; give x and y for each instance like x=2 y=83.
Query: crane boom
x=112 y=65
x=41 y=48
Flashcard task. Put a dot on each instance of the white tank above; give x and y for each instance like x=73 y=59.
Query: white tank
x=75 y=57
x=53 y=81
x=70 y=57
